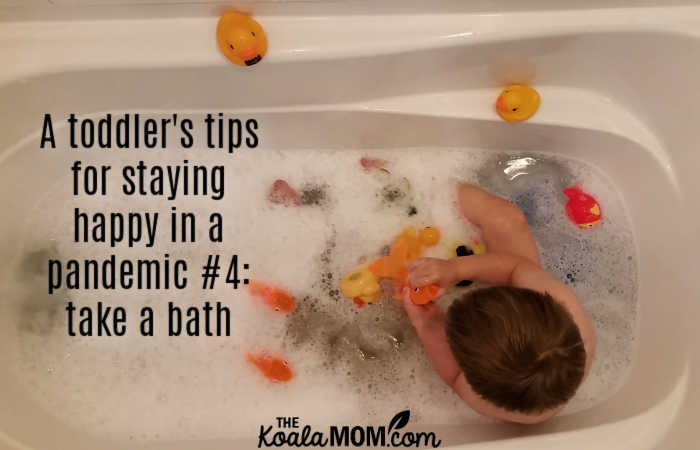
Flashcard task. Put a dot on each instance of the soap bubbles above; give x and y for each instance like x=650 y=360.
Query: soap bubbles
x=367 y=360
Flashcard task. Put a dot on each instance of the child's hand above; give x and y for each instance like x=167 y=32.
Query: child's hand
x=425 y=271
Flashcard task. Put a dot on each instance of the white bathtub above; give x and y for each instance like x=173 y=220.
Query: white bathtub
x=620 y=90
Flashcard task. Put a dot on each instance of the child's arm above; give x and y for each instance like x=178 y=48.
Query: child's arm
x=490 y=268
x=429 y=323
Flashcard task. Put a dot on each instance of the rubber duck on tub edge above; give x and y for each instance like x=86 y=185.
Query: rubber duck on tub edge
x=517 y=102
x=241 y=39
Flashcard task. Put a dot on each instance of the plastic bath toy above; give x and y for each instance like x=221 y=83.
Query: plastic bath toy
x=424 y=294
x=517 y=103
x=275 y=298
x=582 y=209
x=407 y=246
x=273 y=368
x=429 y=236
x=361 y=285
x=241 y=39
x=282 y=193
x=462 y=250
x=372 y=163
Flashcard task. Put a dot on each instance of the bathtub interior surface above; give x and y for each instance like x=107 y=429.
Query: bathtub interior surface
x=638 y=135
x=339 y=130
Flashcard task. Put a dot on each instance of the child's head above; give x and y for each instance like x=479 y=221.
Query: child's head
x=519 y=349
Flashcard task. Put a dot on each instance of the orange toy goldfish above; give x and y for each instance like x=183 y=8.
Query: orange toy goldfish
x=582 y=209
x=419 y=295
x=273 y=297
x=424 y=294
x=273 y=368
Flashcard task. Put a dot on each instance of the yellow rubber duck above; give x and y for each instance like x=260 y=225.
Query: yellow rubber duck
x=241 y=39
x=361 y=285
x=517 y=103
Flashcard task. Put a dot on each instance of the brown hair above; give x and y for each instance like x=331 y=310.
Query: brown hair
x=519 y=349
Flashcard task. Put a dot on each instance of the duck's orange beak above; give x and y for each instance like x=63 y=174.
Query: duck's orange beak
x=500 y=104
x=248 y=53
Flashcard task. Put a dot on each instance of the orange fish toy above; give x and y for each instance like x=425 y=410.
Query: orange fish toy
x=275 y=298
x=424 y=294
x=272 y=368
x=582 y=209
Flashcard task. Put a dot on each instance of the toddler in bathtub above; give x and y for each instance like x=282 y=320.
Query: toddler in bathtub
x=516 y=351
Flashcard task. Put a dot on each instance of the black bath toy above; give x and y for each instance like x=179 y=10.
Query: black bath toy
x=463 y=250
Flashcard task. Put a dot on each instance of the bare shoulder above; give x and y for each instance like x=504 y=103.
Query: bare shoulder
x=530 y=276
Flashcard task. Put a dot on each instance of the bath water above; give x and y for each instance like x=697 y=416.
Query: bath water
x=352 y=365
